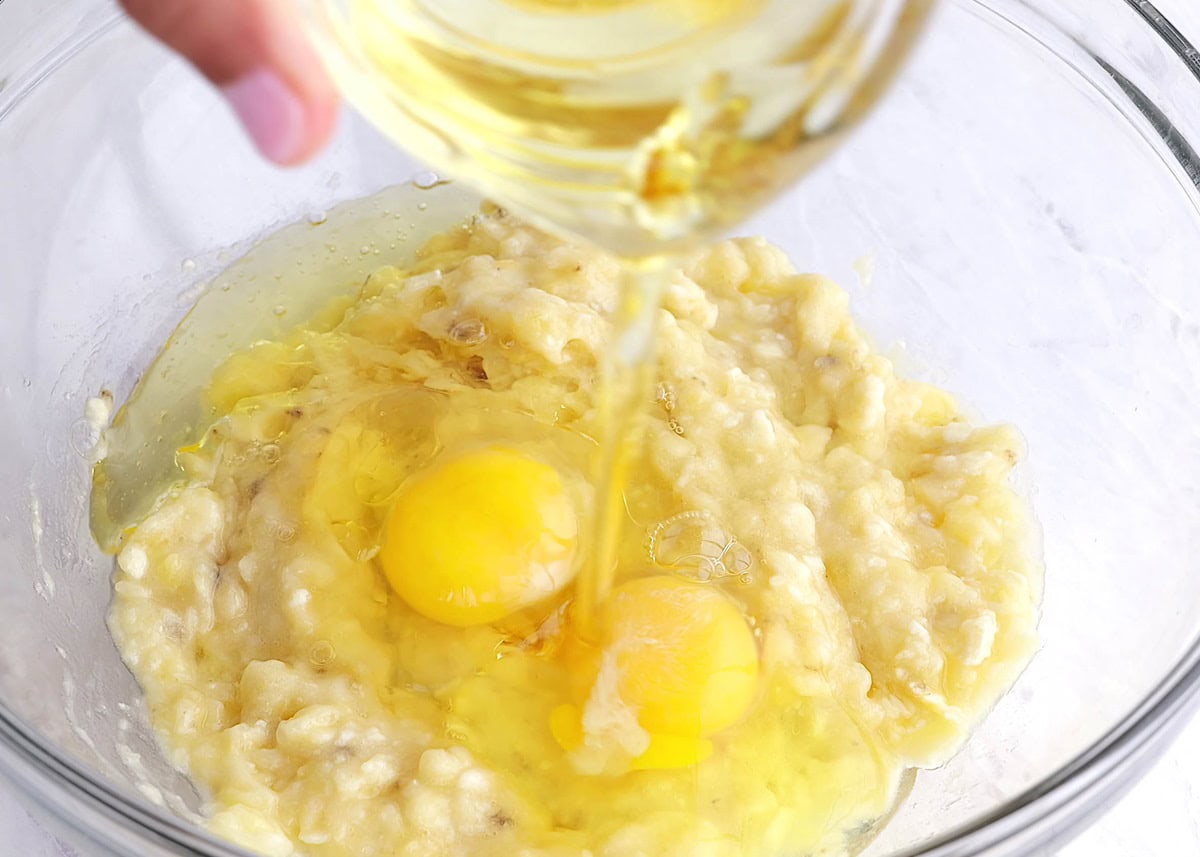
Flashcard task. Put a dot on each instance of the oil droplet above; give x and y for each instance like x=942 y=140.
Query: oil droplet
x=468 y=331
x=322 y=653
x=694 y=545
x=82 y=437
x=316 y=218
x=282 y=531
x=426 y=180
x=864 y=267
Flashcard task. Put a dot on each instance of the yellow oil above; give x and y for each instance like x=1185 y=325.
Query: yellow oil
x=644 y=126
x=624 y=397
x=287 y=278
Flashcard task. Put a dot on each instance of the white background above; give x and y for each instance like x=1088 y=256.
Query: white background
x=1160 y=817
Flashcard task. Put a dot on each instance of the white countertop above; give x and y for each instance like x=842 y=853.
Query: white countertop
x=1160 y=817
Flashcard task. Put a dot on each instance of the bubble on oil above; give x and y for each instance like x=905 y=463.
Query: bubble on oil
x=318 y=217
x=322 y=653
x=188 y=264
x=282 y=531
x=468 y=331
x=426 y=180
x=694 y=545
x=82 y=437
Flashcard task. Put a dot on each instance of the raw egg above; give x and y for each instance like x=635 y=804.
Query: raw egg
x=674 y=663
x=480 y=535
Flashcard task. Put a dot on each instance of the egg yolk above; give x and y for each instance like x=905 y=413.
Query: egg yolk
x=480 y=536
x=677 y=655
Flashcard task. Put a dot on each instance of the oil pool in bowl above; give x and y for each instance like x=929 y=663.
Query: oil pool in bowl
x=351 y=604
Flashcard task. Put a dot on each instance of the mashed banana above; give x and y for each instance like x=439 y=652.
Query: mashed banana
x=867 y=534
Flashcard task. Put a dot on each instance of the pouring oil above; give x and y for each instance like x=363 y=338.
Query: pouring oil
x=645 y=126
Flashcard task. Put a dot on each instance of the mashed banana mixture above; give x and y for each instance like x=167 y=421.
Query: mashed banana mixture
x=353 y=623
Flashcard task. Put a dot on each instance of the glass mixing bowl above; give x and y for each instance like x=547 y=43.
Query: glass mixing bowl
x=1029 y=199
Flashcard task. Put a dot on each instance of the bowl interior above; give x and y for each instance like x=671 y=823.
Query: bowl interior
x=1032 y=242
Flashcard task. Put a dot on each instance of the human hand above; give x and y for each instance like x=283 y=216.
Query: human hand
x=256 y=53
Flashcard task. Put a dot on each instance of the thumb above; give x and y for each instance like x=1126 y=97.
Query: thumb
x=256 y=52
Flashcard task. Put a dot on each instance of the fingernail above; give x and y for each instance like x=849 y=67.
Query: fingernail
x=271 y=113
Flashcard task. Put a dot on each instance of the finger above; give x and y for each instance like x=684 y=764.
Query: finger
x=257 y=53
